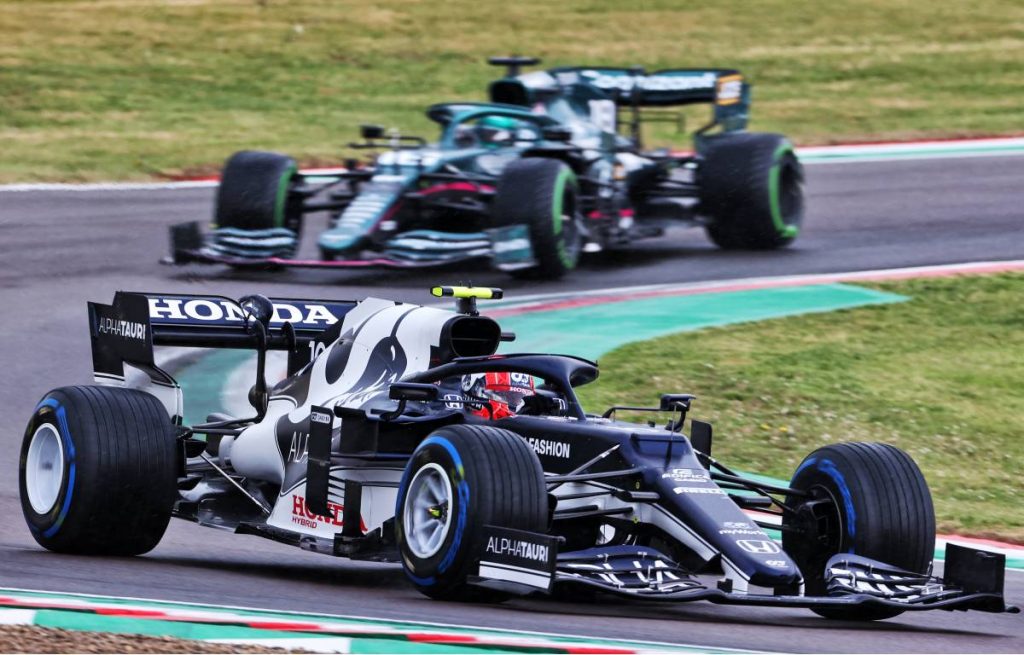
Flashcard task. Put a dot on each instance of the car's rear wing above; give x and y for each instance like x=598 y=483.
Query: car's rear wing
x=664 y=88
x=725 y=89
x=127 y=331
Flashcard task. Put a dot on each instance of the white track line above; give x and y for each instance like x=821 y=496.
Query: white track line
x=108 y=186
x=782 y=280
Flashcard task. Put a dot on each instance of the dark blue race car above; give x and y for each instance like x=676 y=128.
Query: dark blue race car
x=552 y=167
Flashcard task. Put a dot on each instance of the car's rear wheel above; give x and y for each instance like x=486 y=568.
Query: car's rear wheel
x=97 y=473
x=458 y=480
x=869 y=499
x=751 y=189
x=256 y=214
x=542 y=194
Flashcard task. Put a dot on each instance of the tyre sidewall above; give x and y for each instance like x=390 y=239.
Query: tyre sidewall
x=46 y=526
x=885 y=513
x=824 y=480
x=120 y=477
x=784 y=161
x=566 y=187
x=538 y=192
x=446 y=567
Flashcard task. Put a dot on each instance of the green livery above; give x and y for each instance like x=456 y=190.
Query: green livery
x=553 y=166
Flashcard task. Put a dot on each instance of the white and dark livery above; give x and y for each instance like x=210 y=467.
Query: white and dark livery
x=364 y=452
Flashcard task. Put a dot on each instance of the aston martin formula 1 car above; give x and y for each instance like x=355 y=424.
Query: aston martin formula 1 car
x=399 y=435
x=544 y=171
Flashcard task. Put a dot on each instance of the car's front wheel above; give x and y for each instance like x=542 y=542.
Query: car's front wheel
x=458 y=480
x=869 y=499
x=256 y=214
x=542 y=194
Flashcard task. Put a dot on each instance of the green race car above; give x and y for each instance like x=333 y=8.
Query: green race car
x=552 y=167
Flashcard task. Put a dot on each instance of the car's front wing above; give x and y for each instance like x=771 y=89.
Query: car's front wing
x=973 y=580
x=505 y=248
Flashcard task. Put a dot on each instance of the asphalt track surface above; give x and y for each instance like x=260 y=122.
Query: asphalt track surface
x=58 y=249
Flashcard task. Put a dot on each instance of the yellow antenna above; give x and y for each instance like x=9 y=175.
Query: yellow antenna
x=466 y=297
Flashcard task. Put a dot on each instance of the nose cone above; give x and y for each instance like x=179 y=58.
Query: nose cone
x=691 y=495
x=773 y=569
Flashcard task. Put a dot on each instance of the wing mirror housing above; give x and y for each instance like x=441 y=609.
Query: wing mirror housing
x=369 y=132
x=414 y=391
x=258 y=308
x=405 y=392
x=671 y=402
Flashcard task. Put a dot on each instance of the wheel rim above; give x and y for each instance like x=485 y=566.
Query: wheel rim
x=791 y=198
x=427 y=516
x=824 y=535
x=44 y=468
x=568 y=230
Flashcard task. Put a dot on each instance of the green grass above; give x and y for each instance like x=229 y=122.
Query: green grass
x=940 y=376
x=100 y=89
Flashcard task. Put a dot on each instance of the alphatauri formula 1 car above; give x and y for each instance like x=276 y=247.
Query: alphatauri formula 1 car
x=399 y=435
x=544 y=171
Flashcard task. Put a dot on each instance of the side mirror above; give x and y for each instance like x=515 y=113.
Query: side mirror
x=371 y=132
x=671 y=402
x=258 y=308
x=557 y=133
x=414 y=391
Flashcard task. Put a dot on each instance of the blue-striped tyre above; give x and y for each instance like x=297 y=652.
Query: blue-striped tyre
x=869 y=499
x=459 y=479
x=98 y=471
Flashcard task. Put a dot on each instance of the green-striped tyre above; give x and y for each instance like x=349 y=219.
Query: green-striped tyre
x=542 y=193
x=751 y=190
x=256 y=216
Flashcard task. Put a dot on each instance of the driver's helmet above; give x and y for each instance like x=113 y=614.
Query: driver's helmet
x=489 y=132
x=495 y=130
x=503 y=393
